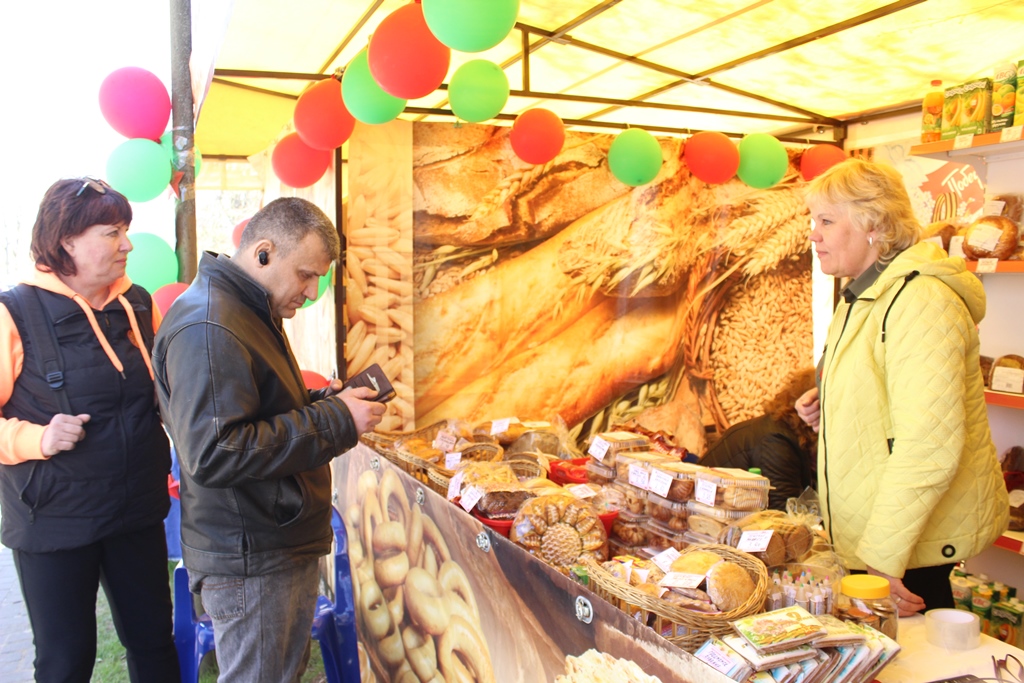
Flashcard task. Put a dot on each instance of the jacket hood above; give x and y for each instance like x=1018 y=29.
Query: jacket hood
x=928 y=258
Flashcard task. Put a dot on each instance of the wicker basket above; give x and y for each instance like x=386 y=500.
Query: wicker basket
x=685 y=628
x=382 y=444
x=438 y=476
x=438 y=481
x=527 y=469
x=416 y=466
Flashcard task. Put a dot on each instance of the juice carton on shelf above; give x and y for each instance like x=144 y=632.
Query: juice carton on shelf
x=951 y=112
x=976 y=107
x=1005 y=623
x=1018 y=116
x=1004 y=96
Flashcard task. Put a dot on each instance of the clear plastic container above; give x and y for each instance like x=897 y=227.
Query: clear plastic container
x=606 y=445
x=598 y=473
x=634 y=499
x=629 y=529
x=735 y=489
x=683 y=474
x=722 y=514
x=670 y=513
x=662 y=537
x=865 y=598
x=635 y=467
x=616 y=548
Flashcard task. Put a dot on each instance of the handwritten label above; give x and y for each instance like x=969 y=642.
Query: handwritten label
x=598 y=448
x=582 y=491
x=681 y=580
x=956 y=246
x=755 y=541
x=716 y=659
x=500 y=426
x=638 y=476
x=451 y=460
x=1016 y=498
x=1010 y=380
x=1010 y=134
x=963 y=141
x=660 y=482
x=445 y=441
x=986 y=265
x=470 y=497
x=705 y=492
x=455 y=485
x=936 y=240
x=984 y=237
x=665 y=558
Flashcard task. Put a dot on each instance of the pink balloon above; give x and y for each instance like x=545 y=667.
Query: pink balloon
x=818 y=159
x=135 y=103
x=236 y=234
x=297 y=164
x=164 y=296
x=405 y=58
x=314 y=380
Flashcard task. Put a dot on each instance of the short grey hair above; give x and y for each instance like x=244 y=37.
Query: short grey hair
x=286 y=221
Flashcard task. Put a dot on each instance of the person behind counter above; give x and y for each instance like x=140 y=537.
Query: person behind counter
x=83 y=457
x=907 y=472
x=778 y=443
x=254 y=445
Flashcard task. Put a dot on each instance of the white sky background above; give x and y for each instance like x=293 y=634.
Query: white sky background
x=54 y=56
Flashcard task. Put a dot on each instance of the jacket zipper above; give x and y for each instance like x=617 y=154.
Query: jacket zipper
x=821 y=403
x=120 y=422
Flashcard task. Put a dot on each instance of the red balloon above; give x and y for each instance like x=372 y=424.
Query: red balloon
x=405 y=58
x=818 y=159
x=321 y=118
x=236 y=234
x=297 y=164
x=537 y=136
x=711 y=156
x=165 y=295
x=135 y=103
x=314 y=380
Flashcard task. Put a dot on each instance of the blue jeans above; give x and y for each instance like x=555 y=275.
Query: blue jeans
x=262 y=624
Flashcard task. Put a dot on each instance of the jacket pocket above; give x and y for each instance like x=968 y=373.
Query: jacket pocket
x=290 y=501
x=29 y=487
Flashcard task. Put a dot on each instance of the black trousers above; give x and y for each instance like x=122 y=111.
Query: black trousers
x=931 y=584
x=60 y=591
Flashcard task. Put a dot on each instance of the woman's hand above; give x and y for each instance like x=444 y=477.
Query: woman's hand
x=366 y=414
x=63 y=432
x=907 y=603
x=809 y=409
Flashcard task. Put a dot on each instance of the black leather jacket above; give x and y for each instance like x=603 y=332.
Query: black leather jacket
x=253 y=445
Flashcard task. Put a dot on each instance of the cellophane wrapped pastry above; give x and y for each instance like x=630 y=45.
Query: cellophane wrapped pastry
x=559 y=529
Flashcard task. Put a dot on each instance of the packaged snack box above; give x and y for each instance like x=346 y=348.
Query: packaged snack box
x=1018 y=117
x=976 y=107
x=951 y=112
x=1004 y=96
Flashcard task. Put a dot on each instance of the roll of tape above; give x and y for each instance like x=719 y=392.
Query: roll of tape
x=952 y=629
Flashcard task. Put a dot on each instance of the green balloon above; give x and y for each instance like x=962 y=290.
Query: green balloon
x=763 y=161
x=139 y=169
x=167 y=142
x=363 y=98
x=470 y=25
x=478 y=91
x=321 y=287
x=151 y=263
x=634 y=157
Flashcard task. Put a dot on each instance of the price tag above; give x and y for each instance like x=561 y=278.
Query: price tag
x=755 y=541
x=705 y=492
x=963 y=141
x=1010 y=134
x=681 y=580
x=445 y=441
x=1016 y=498
x=500 y=426
x=660 y=482
x=665 y=558
x=986 y=265
x=598 y=448
x=470 y=497
x=936 y=240
x=715 y=658
x=1010 y=380
x=956 y=246
x=452 y=459
x=455 y=486
x=985 y=237
x=638 y=476
x=582 y=491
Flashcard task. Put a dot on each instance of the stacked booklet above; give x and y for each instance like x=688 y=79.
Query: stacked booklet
x=791 y=645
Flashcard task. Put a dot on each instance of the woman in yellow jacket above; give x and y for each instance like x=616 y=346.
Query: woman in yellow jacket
x=907 y=472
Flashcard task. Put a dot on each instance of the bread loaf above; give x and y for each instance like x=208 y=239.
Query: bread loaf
x=729 y=585
x=991 y=237
x=944 y=230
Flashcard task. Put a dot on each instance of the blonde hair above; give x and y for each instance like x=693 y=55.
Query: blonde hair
x=874 y=198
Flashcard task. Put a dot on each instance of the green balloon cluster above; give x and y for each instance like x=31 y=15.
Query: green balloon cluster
x=634 y=157
x=763 y=161
x=151 y=263
x=321 y=287
x=470 y=25
x=363 y=98
x=139 y=169
x=478 y=91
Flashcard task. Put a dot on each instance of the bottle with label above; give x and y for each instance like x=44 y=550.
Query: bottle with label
x=931 y=113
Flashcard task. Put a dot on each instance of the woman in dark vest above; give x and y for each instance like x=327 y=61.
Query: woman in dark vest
x=83 y=456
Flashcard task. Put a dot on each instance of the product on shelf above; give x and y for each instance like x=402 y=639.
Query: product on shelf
x=944 y=230
x=796 y=538
x=682 y=474
x=931 y=113
x=597 y=666
x=606 y=445
x=1018 y=107
x=991 y=237
x=635 y=467
x=559 y=529
x=729 y=585
x=598 y=473
x=634 y=499
x=667 y=512
x=1007 y=374
x=629 y=529
x=734 y=489
x=660 y=536
x=502 y=501
x=1004 y=96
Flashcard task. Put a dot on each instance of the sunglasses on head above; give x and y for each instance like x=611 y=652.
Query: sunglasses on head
x=98 y=185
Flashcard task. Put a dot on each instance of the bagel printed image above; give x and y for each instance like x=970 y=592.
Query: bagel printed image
x=433 y=605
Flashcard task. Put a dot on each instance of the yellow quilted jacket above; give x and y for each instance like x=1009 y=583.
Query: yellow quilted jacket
x=907 y=472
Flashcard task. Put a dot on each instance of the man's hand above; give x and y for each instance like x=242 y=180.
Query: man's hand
x=366 y=414
x=809 y=409
x=63 y=432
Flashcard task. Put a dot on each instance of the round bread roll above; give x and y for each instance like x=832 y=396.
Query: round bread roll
x=991 y=237
x=695 y=562
x=944 y=230
x=729 y=585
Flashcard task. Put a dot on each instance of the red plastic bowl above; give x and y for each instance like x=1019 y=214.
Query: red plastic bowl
x=502 y=526
x=562 y=471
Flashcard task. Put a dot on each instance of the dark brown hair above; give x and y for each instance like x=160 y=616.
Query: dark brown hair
x=783 y=407
x=68 y=210
x=287 y=221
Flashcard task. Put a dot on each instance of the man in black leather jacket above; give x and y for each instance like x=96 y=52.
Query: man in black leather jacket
x=254 y=445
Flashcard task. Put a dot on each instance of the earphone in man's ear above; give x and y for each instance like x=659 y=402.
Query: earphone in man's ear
x=263 y=257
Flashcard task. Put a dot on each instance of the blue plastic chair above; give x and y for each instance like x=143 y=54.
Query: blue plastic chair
x=334 y=625
x=193 y=634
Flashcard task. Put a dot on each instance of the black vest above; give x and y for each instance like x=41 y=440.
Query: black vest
x=115 y=479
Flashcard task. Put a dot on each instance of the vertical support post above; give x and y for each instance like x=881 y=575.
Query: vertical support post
x=340 y=329
x=182 y=131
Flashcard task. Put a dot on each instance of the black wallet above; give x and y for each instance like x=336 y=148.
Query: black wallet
x=374 y=378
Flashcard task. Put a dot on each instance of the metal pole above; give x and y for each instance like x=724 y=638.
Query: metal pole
x=183 y=128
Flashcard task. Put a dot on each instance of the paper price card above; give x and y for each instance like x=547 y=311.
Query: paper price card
x=681 y=580
x=582 y=491
x=598 y=448
x=445 y=441
x=665 y=558
x=716 y=659
x=451 y=460
x=705 y=492
x=1008 y=379
x=1010 y=134
x=986 y=265
x=501 y=426
x=660 y=482
x=638 y=476
x=963 y=141
x=956 y=246
x=755 y=541
x=470 y=497
x=1016 y=498
x=455 y=486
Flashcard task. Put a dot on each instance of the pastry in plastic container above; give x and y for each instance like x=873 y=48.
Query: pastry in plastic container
x=617 y=548
x=629 y=529
x=670 y=513
x=606 y=445
x=634 y=499
x=735 y=489
x=598 y=473
x=661 y=537
x=795 y=536
x=683 y=475
x=559 y=529
x=642 y=460
x=721 y=514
